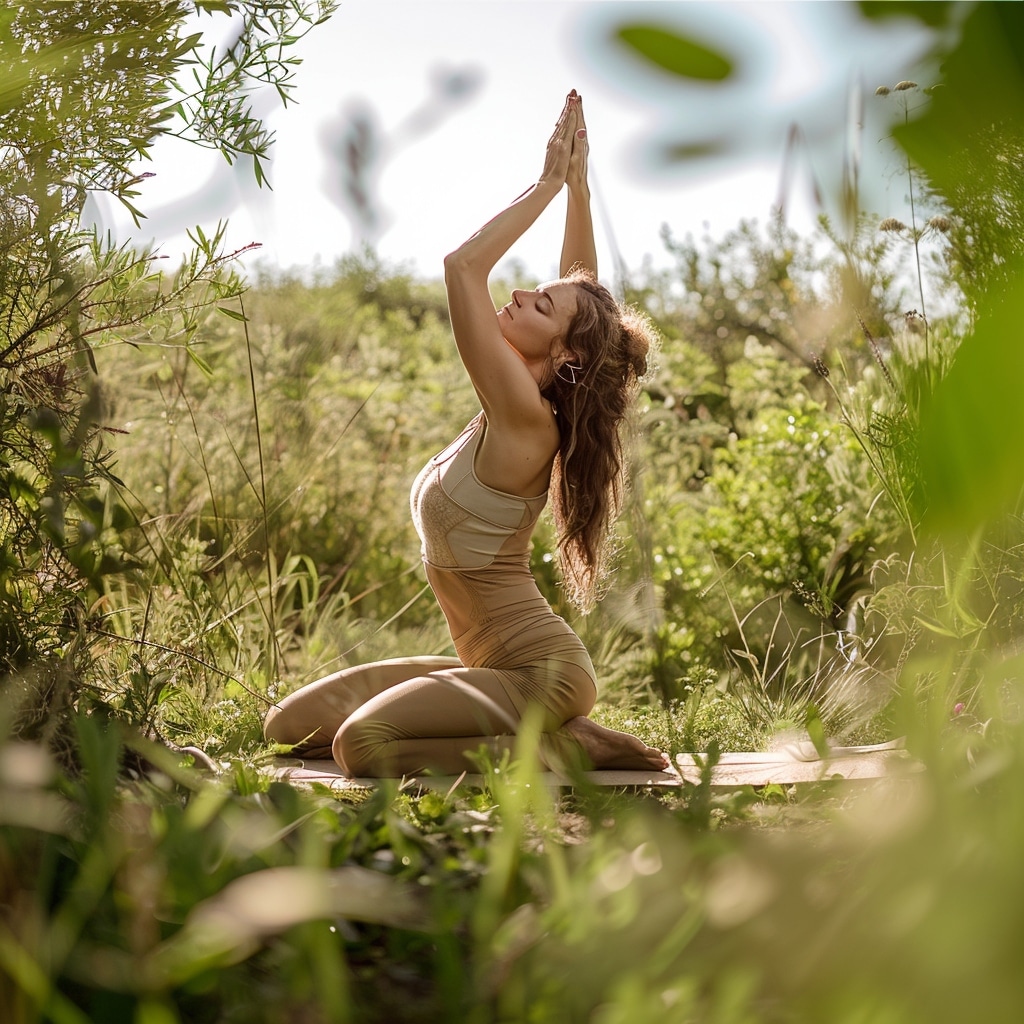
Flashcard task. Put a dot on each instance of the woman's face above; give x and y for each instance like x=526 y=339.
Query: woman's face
x=532 y=321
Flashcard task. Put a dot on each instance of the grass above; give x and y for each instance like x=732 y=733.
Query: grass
x=688 y=725
x=193 y=898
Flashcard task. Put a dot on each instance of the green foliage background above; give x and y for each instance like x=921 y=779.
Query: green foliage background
x=203 y=488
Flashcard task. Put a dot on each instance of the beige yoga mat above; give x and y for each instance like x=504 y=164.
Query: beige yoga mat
x=794 y=763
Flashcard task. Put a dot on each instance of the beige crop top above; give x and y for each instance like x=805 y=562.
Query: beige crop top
x=463 y=523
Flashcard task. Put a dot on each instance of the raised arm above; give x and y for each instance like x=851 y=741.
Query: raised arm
x=504 y=384
x=578 y=243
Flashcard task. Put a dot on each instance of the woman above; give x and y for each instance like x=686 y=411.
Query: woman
x=555 y=370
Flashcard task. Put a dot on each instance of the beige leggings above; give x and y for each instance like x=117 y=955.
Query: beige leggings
x=400 y=717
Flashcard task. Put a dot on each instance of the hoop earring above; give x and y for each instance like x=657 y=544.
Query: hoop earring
x=572 y=371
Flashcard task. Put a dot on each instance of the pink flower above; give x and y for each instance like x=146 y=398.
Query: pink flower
x=958 y=708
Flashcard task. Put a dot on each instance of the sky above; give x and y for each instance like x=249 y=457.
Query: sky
x=450 y=104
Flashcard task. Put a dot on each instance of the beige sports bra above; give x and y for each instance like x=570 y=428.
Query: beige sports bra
x=463 y=523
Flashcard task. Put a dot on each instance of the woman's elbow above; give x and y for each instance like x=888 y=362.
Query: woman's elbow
x=462 y=263
x=455 y=263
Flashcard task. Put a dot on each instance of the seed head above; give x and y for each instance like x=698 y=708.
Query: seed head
x=892 y=224
x=915 y=322
x=904 y=86
x=940 y=223
x=876 y=352
x=883 y=90
x=819 y=366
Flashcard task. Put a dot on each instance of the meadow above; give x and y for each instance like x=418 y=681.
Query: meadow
x=203 y=502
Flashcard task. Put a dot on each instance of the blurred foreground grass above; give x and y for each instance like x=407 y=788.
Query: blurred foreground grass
x=145 y=891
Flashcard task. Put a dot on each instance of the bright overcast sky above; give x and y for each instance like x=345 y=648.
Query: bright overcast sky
x=446 y=165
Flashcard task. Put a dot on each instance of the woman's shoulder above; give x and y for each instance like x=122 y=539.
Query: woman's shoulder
x=536 y=423
x=516 y=457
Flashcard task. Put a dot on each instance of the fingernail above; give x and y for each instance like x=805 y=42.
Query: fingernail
x=581 y=133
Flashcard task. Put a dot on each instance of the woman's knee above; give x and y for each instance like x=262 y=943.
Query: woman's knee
x=358 y=746
x=284 y=724
x=273 y=726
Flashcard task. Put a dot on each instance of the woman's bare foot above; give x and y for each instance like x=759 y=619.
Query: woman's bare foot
x=606 y=748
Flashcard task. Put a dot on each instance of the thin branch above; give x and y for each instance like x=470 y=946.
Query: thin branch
x=153 y=645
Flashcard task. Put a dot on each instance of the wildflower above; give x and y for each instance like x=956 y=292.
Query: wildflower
x=958 y=708
x=904 y=86
x=915 y=322
x=940 y=223
x=882 y=90
x=892 y=224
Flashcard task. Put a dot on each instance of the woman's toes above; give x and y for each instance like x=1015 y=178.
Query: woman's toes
x=610 y=749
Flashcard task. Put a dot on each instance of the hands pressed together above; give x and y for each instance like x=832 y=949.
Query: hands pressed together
x=565 y=161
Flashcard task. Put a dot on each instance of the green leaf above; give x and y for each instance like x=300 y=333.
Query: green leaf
x=233 y=313
x=153 y=1011
x=187 y=44
x=937 y=627
x=7 y=16
x=693 y=150
x=261 y=177
x=228 y=927
x=929 y=12
x=675 y=53
x=215 y=6
x=983 y=84
x=87 y=352
x=816 y=730
x=971 y=429
x=199 y=361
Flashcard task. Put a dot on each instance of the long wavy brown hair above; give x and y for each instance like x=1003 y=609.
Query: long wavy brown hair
x=611 y=345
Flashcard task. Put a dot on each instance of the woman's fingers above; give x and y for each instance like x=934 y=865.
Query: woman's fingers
x=562 y=124
x=576 y=173
x=563 y=140
x=581 y=123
